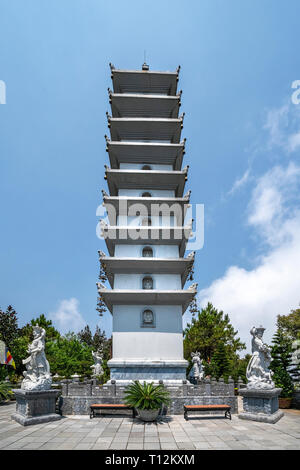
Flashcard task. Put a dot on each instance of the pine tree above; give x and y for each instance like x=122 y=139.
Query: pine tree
x=220 y=364
x=85 y=336
x=281 y=362
x=8 y=326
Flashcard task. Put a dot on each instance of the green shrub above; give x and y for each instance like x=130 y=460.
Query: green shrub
x=146 y=396
x=5 y=391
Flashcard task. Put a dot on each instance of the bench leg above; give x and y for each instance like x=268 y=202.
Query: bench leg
x=228 y=414
x=185 y=415
x=92 y=414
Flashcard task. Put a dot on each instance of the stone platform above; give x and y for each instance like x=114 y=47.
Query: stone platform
x=35 y=407
x=261 y=405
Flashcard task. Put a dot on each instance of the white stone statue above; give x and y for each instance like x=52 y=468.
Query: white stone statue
x=97 y=367
x=258 y=374
x=196 y=372
x=37 y=375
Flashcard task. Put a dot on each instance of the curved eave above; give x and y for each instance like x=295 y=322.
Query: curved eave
x=147 y=106
x=146 y=129
x=145 y=179
x=118 y=235
x=113 y=265
x=147 y=297
x=121 y=204
x=141 y=81
x=145 y=152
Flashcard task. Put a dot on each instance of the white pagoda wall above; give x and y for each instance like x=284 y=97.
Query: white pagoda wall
x=131 y=341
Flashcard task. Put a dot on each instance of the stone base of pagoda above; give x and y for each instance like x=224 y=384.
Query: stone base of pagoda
x=123 y=372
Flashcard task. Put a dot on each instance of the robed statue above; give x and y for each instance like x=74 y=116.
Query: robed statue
x=258 y=373
x=97 y=367
x=37 y=375
x=196 y=372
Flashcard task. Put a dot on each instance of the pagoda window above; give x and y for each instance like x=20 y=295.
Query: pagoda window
x=146 y=194
x=146 y=167
x=147 y=283
x=147 y=252
x=148 y=318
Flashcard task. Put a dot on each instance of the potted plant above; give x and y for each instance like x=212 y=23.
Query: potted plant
x=147 y=398
x=5 y=391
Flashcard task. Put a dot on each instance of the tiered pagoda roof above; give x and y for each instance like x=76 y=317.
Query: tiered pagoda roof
x=145 y=129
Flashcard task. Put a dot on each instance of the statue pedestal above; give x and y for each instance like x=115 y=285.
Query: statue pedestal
x=35 y=407
x=261 y=405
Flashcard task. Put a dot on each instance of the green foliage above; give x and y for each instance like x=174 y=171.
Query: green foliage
x=239 y=366
x=5 y=391
x=67 y=355
x=97 y=342
x=281 y=362
x=8 y=326
x=211 y=333
x=290 y=324
x=146 y=396
x=220 y=364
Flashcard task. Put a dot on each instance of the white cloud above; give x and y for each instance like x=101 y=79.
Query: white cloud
x=240 y=182
x=67 y=317
x=283 y=127
x=294 y=142
x=257 y=296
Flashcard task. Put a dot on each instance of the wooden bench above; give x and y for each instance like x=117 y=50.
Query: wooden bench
x=109 y=406
x=225 y=408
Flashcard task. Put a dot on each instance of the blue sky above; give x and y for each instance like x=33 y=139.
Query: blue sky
x=238 y=62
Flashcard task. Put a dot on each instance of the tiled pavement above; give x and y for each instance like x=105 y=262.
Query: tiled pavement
x=121 y=432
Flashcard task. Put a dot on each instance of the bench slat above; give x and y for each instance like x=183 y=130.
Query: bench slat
x=207 y=407
x=105 y=405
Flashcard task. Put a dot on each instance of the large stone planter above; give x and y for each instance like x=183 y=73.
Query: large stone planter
x=261 y=405
x=35 y=407
x=285 y=402
x=148 y=415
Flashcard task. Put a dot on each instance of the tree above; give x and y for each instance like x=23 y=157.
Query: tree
x=281 y=362
x=290 y=324
x=207 y=330
x=220 y=362
x=8 y=326
x=68 y=355
x=85 y=336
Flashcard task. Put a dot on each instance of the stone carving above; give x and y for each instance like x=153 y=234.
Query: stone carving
x=191 y=255
x=97 y=367
x=294 y=369
x=196 y=372
x=258 y=373
x=148 y=317
x=100 y=286
x=193 y=286
x=37 y=374
x=101 y=254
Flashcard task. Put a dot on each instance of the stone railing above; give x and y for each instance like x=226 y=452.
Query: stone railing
x=76 y=397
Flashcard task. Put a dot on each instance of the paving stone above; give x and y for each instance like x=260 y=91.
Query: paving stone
x=171 y=433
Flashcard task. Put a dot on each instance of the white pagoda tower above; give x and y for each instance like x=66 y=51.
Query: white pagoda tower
x=146 y=236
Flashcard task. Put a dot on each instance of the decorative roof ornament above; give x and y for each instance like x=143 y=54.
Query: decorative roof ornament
x=193 y=286
x=100 y=286
x=101 y=254
x=191 y=255
x=187 y=195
